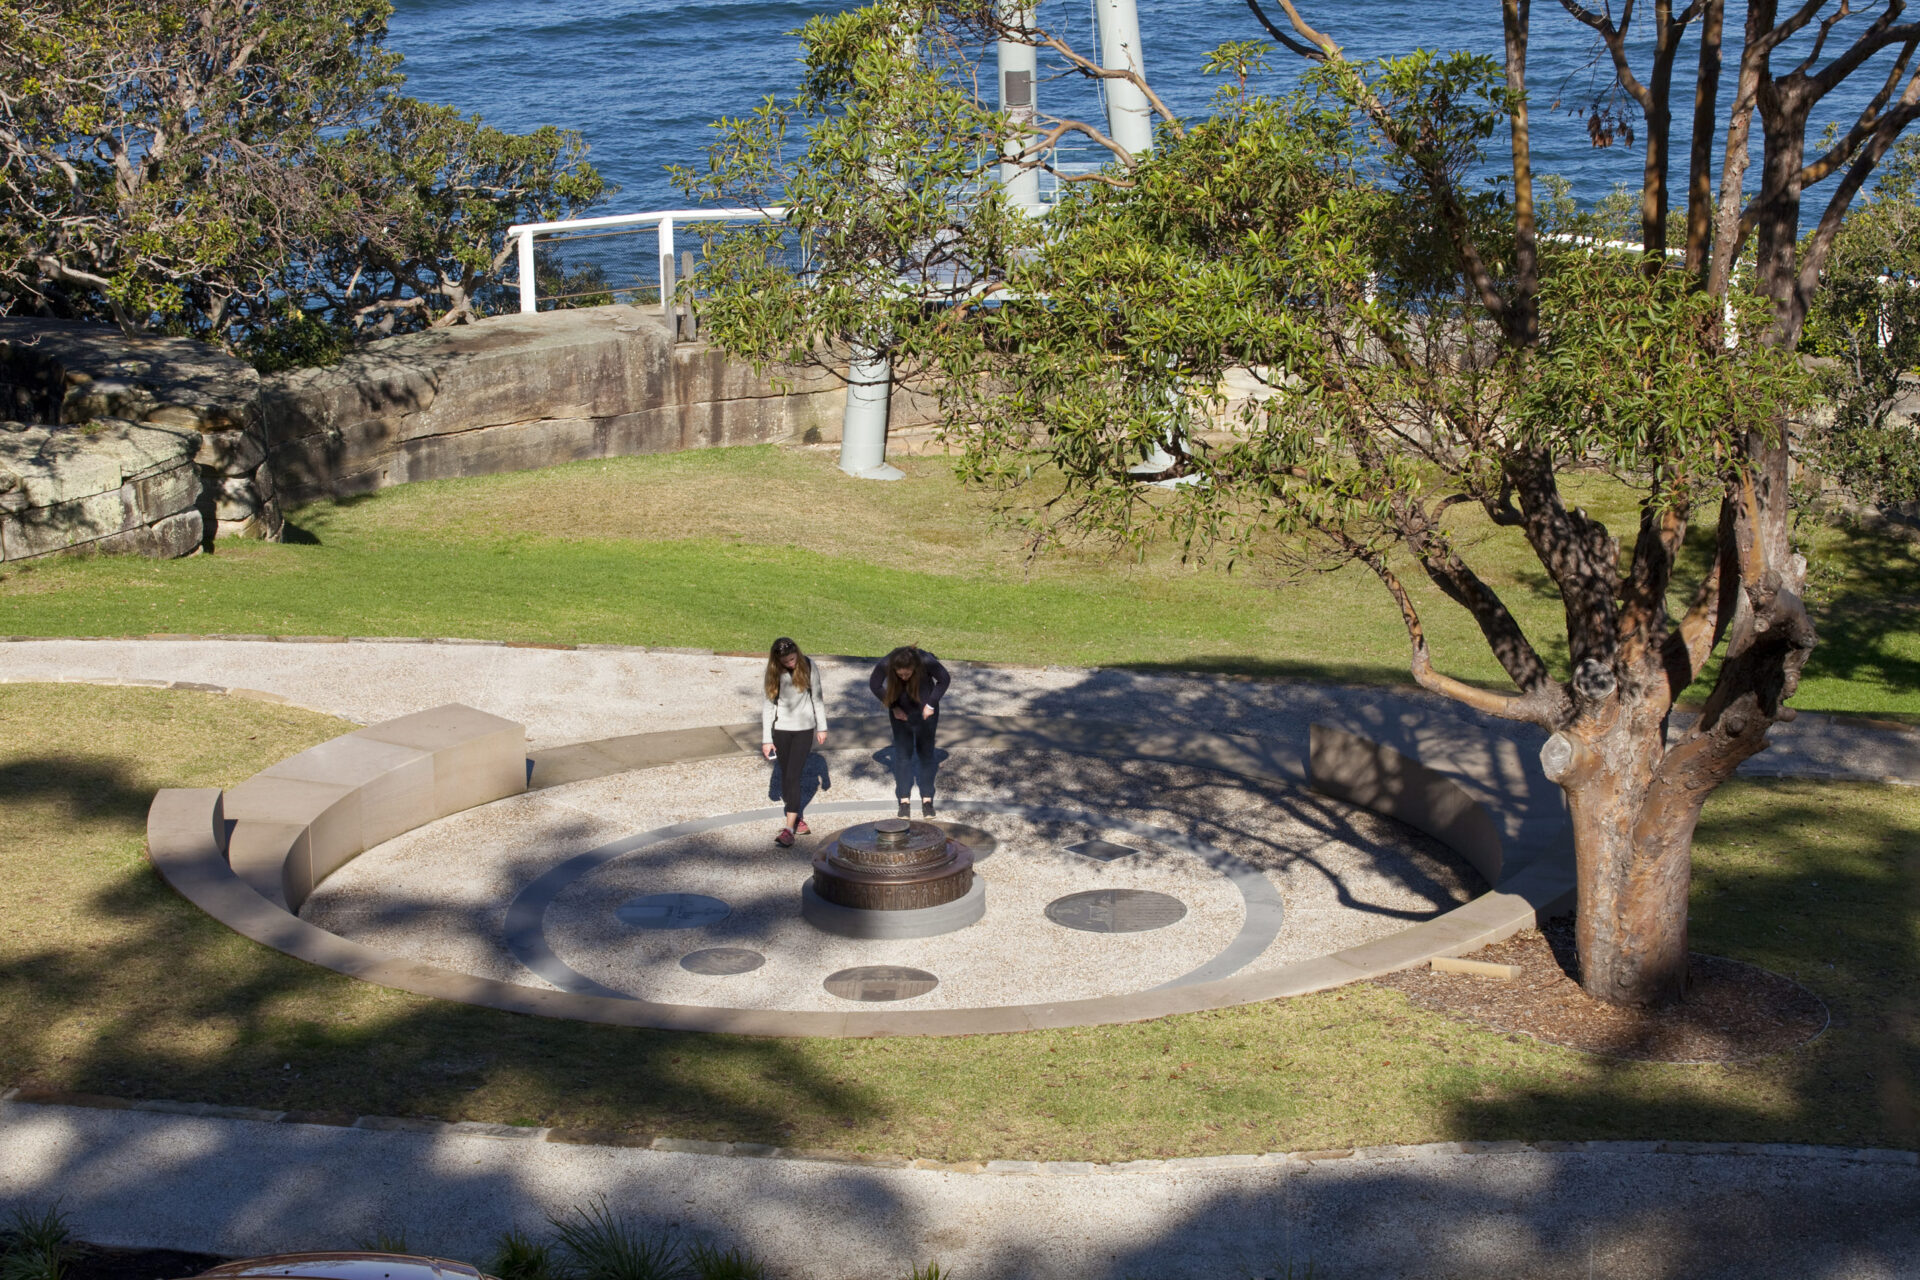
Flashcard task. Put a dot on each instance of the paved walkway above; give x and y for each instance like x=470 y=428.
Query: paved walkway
x=1623 y=1211
x=235 y=1185
x=577 y=695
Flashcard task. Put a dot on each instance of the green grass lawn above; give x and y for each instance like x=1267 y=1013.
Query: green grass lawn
x=725 y=548
x=109 y=983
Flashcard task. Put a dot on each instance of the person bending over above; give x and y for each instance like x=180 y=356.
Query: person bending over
x=909 y=682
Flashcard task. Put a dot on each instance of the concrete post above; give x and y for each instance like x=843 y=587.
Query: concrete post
x=863 y=427
x=529 y=296
x=1019 y=65
x=1129 y=117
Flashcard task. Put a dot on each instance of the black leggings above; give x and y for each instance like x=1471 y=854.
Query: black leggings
x=792 y=746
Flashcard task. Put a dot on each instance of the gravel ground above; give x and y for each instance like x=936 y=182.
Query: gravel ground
x=440 y=893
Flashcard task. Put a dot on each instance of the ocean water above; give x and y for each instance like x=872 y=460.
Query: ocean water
x=643 y=79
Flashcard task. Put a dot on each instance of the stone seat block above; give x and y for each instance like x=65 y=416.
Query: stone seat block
x=477 y=757
x=191 y=819
x=297 y=822
x=272 y=858
x=395 y=785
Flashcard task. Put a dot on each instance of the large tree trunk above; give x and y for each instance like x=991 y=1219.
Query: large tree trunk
x=1633 y=844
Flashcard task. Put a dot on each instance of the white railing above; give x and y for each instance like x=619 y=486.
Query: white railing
x=661 y=221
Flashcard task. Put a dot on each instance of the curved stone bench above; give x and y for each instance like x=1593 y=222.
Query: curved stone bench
x=296 y=823
x=250 y=857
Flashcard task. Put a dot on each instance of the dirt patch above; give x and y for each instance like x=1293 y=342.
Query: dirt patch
x=1732 y=1012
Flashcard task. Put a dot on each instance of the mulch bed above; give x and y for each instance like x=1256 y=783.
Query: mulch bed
x=1732 y=1012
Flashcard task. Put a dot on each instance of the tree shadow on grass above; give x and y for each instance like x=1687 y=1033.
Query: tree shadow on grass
x=144 y=996
x=1859 y=615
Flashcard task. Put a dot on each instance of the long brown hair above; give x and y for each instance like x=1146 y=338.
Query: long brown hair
x=802 y=670
x=910 y=657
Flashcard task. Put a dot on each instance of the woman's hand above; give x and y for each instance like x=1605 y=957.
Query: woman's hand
x=766 y=749
x=926 y=712
x=899 y=713
x=820 y=738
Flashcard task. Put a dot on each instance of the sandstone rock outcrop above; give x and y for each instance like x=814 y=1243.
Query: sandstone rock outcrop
x=126 y=443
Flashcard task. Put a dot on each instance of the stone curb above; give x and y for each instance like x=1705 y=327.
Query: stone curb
x=31 y=1096
x=188 y=686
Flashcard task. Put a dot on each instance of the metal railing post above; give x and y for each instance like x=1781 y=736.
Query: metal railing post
x=529 y=286
x=666 y=270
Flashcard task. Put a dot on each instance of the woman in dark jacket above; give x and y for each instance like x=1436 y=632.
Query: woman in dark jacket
x=909 y=682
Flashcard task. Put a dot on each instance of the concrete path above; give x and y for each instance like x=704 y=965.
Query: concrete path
x=230 y=1185
x=1623 y=1211
x=577 y=695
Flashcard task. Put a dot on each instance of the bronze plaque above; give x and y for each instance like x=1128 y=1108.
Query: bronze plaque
x=881 y=982
x=722 y=961
x=1116 y=910
x=1102 y=850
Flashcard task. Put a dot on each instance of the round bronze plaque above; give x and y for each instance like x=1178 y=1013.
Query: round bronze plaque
x=722 y=961
x=1116 y=910
x=671 y=911
x=880 y=982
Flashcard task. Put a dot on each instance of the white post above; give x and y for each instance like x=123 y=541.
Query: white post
x=1019 y=65
x=863 y=427
x=1129 y=123
x=1129 y=118
x=666 y=270
x=528 y=285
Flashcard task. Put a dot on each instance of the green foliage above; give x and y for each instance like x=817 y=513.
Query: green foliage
x=1333 y=246
x=383 y=1241
x=518 y=1256
x=36 y=1246
x=598 y=1244
x=892 y=142
x=708 y=1262
x=1865 y=325
x=239 y=173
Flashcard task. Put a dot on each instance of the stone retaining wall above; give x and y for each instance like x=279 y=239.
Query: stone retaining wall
x=112 y=415
x=522 y=391
x=119 y=443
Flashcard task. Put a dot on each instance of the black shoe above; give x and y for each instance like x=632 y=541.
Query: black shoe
x=906 y=808
x=926 y=808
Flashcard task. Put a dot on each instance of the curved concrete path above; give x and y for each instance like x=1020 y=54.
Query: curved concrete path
x=191 y=1177
x=1611 y=1211
x=567 y=695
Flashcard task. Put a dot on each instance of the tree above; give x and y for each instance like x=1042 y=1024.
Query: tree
x=1426 y=341
x=1865 y=327
x=248 y=172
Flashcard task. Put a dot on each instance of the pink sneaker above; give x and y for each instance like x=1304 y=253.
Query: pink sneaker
x=801 y=828
x=784 y=839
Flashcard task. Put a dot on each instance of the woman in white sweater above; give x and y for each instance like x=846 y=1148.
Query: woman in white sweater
x=793 y=720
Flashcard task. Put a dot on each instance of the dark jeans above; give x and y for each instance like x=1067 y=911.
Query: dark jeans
x=913 y=755
x=790 y=749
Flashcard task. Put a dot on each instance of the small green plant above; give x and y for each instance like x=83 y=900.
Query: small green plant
x=601 y=1245
x=384 y=1241
x=518 y=1256
x=932 y=1271
x=711 y=1263
x=38 y=1246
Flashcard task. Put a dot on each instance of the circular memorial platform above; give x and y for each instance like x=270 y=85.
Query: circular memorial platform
x=1077 y=878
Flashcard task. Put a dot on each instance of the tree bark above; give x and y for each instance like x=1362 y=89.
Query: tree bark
x=1633 y=845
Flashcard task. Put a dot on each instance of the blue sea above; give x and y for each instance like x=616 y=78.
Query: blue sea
x=644 y=79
